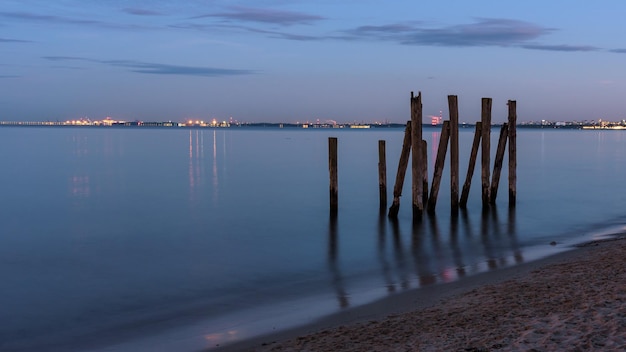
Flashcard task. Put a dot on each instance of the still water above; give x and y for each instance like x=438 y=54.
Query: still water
x=113 y=236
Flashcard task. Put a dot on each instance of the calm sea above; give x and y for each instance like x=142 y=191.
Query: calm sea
x=130 y=239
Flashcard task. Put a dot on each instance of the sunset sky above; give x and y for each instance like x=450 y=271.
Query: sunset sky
x=303 y=60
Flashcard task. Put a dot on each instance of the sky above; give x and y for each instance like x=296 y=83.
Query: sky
x=309 y=60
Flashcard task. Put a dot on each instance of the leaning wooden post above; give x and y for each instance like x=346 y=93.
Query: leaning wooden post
x=439 y=165
x=486 y=137
x=470 y=167
x=382 y=175
x=416 y=150
x=512 y=152
x=454 y=151
x=497 y=163
x=332 y=167
x=404 y=161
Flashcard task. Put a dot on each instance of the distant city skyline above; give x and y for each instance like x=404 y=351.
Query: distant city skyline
x=289 y=61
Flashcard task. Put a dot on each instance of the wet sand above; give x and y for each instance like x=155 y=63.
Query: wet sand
x=572 y=301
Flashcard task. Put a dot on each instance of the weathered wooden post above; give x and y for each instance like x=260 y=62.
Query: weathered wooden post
x=416 y=150
x=424 y=172
x=512 y=152
x=439 y=165
x=497 y=164
x=402 y=164
x=470 y=167
x=454 y=151
x=486 y=137
x=382 y=175
x=332 y=168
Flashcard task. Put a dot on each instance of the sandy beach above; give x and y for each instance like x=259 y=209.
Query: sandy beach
x=573 y=301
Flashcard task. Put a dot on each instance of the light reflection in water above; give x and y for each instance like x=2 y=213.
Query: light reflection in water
x=196 y=162
x=79 y=185
x=215 y=178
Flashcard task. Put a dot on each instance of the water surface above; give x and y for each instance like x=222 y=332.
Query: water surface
x=108 y=235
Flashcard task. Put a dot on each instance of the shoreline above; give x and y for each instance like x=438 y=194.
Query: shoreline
x=373 y=324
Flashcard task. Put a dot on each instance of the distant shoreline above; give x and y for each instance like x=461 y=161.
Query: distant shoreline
x=291 y=126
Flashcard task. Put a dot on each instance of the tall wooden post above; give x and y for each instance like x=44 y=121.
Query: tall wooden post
x=486 y=138
x=402 y=164
x=470 y=167
x=424 y=172
x=416 y=150
x=497 y=163
x=382 y=175
x=439 y=165
x=512 y=152
x=332 y=168
x=454 y=151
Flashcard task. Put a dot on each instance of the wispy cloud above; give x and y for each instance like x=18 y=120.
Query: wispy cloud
x=59 y=20
x=8 y=40
x=618 y=51
x=158 y=69
x=9 y=76
x=45 y=18
x=562 y=47
x=141 y=12
x=250 y=14
x=484 y=32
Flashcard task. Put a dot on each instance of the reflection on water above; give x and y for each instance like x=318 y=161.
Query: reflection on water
x=79 y=185
x=335 y=271
x=117 y=228
x=435 y=254
x=196 y=161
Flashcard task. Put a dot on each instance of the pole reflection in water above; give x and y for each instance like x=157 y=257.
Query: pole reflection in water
x=421 y=258
x=512 y=232
x=398 y=253
x=454 y=243
x=484 y=236
x=382 y=253
x=336 y=277
x=443 y=255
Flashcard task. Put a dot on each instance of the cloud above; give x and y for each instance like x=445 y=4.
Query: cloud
x=9 y=76
x=44 y=18
x=141 y=12
x=249 y=14
x=283 y=35
x=158 y=69
x=484 y=32
x=562 y=47
x=7 y=40
x=618 y=51
x=24 y=16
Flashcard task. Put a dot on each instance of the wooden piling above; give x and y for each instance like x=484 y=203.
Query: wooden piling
x=416 y=150
x=332 y=167
x=497 y=164
x=402 y=165
x=470 y=167
x=424 y=172
x=382 y=175
x=454 y=151
x=512 y=152
x=486 y=137
x=439 y=165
